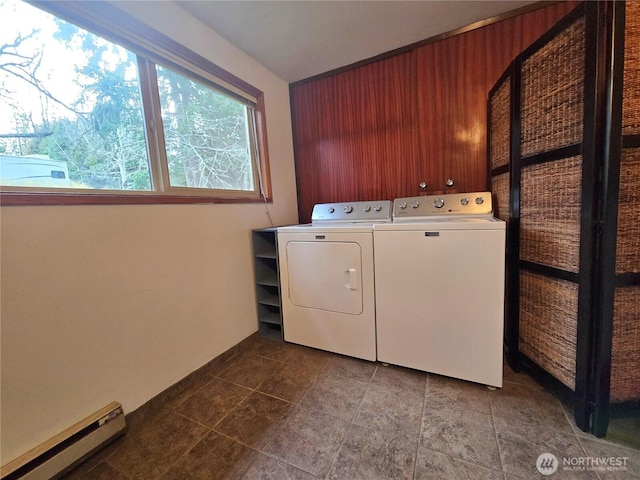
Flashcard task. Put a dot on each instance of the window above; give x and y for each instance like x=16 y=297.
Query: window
x=120 y=113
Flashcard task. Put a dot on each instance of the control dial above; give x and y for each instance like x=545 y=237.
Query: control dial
x=438 y=203
x=367 y=208
x=402 y=205
x=348 y=209
x=331 y=209
x=377 y=208
x=464 y=201
x=415 y=204
x=479 y=200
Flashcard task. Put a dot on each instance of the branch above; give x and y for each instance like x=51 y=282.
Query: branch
x=26 y=135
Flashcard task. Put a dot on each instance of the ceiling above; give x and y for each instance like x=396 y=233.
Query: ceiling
x=300 y=39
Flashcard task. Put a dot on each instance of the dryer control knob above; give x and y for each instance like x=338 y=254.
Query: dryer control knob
x=464 y=201
x=331 y=209
x=415 y=204
x=479 y=200
x=438 y=203
x=402 y=205
x=348 y=209
x=366 y=208
x=377 y=208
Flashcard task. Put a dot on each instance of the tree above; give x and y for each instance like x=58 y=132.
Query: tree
x=206 y=134
x=96 y=123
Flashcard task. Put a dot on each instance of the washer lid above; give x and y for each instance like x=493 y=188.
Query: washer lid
x=444 y=223
x=319 y=228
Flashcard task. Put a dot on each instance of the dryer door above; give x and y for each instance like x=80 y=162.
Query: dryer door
x=325 y=276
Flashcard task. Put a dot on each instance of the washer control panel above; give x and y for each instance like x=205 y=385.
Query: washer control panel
x=351 y=212
x=412 y=208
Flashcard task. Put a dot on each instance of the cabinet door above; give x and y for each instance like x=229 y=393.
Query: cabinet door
x=454 y=76
x=451 y=114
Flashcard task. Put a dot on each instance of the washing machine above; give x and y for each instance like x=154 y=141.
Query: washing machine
x=439 y=272
x=326 y=278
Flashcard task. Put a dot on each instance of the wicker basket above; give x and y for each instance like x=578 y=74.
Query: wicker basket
x=625 y=353
x=500 y=125
x=548 y=324
x=631 y=85
x=628 y=242
x=553 y=93
x=550 y=213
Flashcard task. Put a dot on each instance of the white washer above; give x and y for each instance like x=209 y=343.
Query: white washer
x=439 y=271
x=326 y=278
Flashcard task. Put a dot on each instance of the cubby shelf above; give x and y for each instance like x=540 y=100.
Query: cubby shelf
x=267 y=282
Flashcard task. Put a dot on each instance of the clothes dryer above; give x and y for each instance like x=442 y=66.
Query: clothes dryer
x=326 y=278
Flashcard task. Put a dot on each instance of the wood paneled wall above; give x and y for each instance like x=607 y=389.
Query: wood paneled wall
x=377 y=131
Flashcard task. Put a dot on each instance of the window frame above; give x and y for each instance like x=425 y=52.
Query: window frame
x=153 y=47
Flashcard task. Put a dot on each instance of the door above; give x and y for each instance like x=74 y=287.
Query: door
x=325 y=276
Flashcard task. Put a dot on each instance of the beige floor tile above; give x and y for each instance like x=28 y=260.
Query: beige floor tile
x=372 y=454
x=433 y=465
x=335 y=395
x=254 y=419
x=467 y=435
x=521 y=444
x=212 y=402
x=215 y=457
x=159 y=445
x=309 y=440
x=391 y=412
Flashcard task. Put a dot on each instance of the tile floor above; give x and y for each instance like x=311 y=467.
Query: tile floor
x=280 y=411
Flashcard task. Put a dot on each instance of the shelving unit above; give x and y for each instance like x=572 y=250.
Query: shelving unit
x=267 y=282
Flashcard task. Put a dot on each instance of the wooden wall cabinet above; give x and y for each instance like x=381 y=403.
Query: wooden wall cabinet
x=377 y=131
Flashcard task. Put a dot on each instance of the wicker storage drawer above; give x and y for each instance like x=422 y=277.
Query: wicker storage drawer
x=500 y=125
x=625 y=353
x=631 y=86
x=553 y=93
x=500 y=190
x=628 y=241
x=550 y=213
x=548 y=324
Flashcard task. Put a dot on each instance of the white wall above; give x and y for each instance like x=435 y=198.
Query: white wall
x=103 y=303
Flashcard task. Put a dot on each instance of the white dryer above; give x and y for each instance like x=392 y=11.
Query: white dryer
x=326 y=278
x=439 y=270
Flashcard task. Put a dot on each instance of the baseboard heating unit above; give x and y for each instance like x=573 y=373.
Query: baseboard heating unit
x=59 y=454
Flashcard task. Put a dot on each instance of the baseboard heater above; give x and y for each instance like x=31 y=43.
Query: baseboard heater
x=59 y=454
